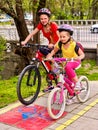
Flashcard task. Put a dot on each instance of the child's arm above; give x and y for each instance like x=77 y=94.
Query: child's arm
x=81 y=55
x=53 y=52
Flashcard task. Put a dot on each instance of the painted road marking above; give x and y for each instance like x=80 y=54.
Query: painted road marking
x=14 y=105
x=24 y=117
x=78 y=115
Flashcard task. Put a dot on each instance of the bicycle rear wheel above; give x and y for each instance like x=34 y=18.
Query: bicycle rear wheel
x=28 y=86
x=56 y=103
x=85 y=89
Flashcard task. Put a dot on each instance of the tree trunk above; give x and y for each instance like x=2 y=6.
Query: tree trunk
x=21 y=29
x=20 y=22
x=71 y=4
x=94 y=9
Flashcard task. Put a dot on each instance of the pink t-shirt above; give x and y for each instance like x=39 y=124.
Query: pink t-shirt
x=52 y=34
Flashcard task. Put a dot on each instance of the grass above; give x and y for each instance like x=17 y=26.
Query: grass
x=89 y=69
x=8 y=87
x=8 y=91
x=5 y=23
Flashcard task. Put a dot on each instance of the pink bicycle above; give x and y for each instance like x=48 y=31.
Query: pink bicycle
x=57 y=98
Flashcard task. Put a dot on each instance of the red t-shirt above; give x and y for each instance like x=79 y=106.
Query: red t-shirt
x=52 y=34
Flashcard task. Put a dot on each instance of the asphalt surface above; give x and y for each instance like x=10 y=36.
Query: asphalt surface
x=79 y=116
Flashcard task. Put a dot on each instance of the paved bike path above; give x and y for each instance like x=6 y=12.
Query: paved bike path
x=77 y=116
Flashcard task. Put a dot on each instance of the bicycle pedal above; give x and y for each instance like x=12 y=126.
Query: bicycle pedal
x=77 y=92
x=48 y=89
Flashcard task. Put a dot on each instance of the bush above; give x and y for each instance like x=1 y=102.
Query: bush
x=2 y=46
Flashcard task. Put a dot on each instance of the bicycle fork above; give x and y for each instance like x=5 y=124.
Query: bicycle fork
x=67 y=86
x=61 y=91
x=59 y=96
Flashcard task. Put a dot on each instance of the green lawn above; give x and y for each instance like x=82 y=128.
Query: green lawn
x=8 y=91
x=89 y=69
x=8 y=87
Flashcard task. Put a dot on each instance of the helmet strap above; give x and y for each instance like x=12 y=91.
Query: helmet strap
x=47 y=24
x=67 y=41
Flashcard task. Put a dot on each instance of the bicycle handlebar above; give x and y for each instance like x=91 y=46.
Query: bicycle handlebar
x=60 y=59
x=28 y=45
x=64 y=59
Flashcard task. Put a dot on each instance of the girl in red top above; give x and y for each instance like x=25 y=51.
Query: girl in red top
x=49 y=30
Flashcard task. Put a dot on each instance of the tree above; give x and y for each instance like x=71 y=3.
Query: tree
x=94 y=8
x=16 y=12
x=71 y=4
x=14 y=8
x=58 y=11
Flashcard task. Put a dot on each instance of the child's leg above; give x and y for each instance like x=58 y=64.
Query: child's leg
x=45 y=50
x=70 y=70
x=75 y=79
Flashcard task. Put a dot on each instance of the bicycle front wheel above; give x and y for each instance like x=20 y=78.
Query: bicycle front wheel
x=28 y=86
x=85 y=89
x=56 y=103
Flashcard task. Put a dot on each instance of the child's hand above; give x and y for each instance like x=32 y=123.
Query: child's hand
x=23 y=43
x=50 y=45
x=78 y=58
x=49 y=56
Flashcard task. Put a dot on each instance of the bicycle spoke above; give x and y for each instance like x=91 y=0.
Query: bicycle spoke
x=56 y=103
x=28 y=85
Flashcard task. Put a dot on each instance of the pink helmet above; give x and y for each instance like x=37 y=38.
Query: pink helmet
x=44 y=11
x=66 y=27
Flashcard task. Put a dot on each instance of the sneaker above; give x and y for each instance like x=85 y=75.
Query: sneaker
x=48 y=89
x=77 y=87
x=70 y=100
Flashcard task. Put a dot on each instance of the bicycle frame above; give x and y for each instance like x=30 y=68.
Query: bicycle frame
x=70 y=90
x=65 y=80
x=29 y=82
x=39 y=57
x=46 y=64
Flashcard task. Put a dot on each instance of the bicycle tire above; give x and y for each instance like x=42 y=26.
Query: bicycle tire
x=85 y=91
x=53 y=106
x=28 y=86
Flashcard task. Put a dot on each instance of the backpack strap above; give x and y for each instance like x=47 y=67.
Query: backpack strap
x=76 y=48
x=60 y=45
x=78 y=45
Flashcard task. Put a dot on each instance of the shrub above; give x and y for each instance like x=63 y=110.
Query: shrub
x=2 y=45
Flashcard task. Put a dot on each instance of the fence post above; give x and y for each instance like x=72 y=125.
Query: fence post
x=97 y=55
x=78 y=33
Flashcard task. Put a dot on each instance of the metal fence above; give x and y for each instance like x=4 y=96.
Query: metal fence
x=81 y=33
x=77 y=22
